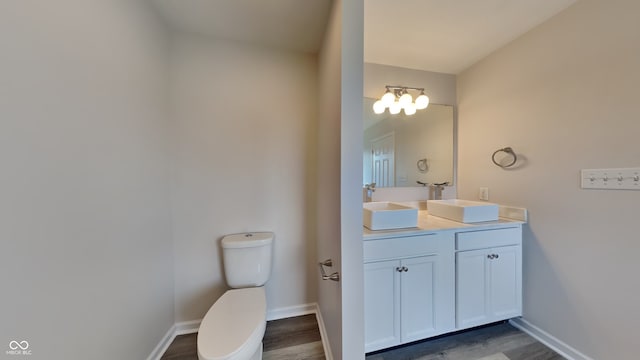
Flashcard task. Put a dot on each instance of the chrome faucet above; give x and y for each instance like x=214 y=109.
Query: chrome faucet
x=370 y=188
x=436 y=190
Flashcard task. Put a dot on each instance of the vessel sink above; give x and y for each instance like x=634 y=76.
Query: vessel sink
x=384 y=215
x=464 y=211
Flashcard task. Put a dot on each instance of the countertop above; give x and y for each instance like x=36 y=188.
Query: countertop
x=428 y=224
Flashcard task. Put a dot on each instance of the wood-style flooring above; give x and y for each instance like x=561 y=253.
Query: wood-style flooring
x=293 y=338
x=499 y=341
x=298 y=338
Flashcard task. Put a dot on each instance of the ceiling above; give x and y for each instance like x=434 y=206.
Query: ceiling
x=444 y=36
x=297 y=25
x=447 y=36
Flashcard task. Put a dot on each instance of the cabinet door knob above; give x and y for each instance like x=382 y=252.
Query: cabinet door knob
x=404 y=268
x=398 y=269
x=496 y=256
x=490 y=256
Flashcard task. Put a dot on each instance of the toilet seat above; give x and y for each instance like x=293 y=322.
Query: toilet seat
x=234 y=326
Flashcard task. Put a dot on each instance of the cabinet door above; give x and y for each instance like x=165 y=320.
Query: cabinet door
x=472 y=295
x=417 y=297
x=505 y=285
x=488 y=285
x=381 y=304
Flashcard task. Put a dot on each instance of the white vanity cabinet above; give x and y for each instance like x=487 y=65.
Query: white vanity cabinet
x=409 y=292
x=426 y=283
x=488 y=276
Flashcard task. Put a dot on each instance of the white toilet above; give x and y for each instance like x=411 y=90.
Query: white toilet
x=234 y=326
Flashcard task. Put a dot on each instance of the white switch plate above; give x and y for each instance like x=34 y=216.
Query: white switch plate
x=612 y=179
x=483 y=193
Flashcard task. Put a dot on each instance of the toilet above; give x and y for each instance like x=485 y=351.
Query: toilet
x=234 y=326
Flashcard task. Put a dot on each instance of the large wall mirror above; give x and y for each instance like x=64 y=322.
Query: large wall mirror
x=407 y=150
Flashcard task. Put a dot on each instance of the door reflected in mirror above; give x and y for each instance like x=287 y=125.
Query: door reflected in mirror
x=408 y=150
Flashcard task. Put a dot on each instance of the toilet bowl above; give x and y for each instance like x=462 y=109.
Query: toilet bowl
x=234 y=326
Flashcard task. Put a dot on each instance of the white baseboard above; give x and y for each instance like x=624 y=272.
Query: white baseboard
x=181 y=328
x=323 y=335
x=551 y=341
x=190 y=327
x=187 y=327
x=291 y=311
x=163 y=345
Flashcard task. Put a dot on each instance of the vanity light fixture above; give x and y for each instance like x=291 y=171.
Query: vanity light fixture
x=397 y=98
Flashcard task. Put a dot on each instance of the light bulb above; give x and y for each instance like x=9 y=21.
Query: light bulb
x=410 y=109
x=388 y=98
x=378 y=107
x=422 y=101
x=395 y=108
x=405 y=99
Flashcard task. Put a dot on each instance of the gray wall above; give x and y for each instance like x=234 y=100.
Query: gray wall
x=564 y=96
x=244 y=160
x=85 y=236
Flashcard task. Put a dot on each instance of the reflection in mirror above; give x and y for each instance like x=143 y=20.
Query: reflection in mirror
x=407 y=150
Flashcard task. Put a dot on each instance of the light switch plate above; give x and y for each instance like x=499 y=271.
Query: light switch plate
x=611 y=179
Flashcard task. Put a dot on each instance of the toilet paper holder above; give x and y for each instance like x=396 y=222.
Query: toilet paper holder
x=329 y=263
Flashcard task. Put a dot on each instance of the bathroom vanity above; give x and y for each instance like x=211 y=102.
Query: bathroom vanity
x=440 y=277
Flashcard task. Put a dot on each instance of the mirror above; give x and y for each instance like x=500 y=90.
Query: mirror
x=400 y=150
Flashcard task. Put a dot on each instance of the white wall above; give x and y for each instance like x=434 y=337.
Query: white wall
x=244 y=160
x=351 y=130
x=328 y=177
x=340 y=178
x=564 y=96
x=85 y=238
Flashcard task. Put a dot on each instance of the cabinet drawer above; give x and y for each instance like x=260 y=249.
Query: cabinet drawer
x=401 y=247
x=488 y=238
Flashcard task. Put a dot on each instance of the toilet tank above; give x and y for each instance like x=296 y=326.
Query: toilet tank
x=247 y=258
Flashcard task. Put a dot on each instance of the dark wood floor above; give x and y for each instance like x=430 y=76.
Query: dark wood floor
x=293 y=338
x=298 y=338
x=495 y=342
x=183 y=347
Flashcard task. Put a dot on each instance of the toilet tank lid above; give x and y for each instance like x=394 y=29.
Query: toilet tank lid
x=245 y=240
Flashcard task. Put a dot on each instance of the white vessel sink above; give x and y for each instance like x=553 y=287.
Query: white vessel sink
x=385 y=215
x=464 y=211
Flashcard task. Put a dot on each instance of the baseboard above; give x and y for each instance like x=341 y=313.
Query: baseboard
x=163 y=345
x=323 y=335
x=544 y=337
x=187 y=327
x=190 y=327
x=291 y=311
